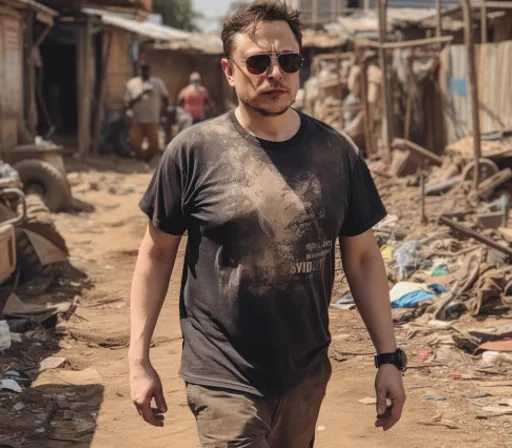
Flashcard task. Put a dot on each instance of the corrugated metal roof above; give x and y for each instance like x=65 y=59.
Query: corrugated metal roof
x=420 y=4
x=39 y=7
x=153 y=31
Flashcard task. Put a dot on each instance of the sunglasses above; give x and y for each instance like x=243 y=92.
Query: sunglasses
x=260 y=63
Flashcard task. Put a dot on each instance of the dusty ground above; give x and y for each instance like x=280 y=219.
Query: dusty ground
x=103 y=244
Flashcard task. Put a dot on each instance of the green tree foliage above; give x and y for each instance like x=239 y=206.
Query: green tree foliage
x=177 y=13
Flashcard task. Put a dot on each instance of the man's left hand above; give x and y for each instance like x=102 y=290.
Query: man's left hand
x=389 y=386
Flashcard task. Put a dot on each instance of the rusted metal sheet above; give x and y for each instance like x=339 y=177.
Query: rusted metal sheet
x=494 y=65
x=11 y=79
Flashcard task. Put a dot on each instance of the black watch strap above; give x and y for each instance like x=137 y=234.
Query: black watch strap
x=397 y=358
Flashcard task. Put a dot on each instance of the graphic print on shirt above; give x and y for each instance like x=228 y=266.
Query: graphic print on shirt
x=286 y=240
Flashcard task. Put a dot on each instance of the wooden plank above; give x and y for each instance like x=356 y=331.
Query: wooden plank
x=334 y=56
x=473 y=87
x=489 y=185
x=84 y=91
x=483 y=18
x=387 y=115
x=476 y=236
x=102 y=93
x=365 y=43
x=364 y=99
x=417 y=149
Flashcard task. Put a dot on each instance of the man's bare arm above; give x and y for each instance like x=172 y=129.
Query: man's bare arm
x=366 y=274
x=155 y=263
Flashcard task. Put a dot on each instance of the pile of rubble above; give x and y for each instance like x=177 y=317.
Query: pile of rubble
x=447 y=249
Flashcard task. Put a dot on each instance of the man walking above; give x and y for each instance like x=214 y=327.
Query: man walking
x=264 y=193
x=145 y=97
x=194 y=98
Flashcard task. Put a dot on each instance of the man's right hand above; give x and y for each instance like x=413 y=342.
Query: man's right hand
x=146 y=385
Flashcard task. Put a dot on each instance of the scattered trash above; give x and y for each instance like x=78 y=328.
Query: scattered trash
x=434 y=398
x=5 y=336
x=10 y=385
x=17 y=337
x=53 y=362
x=344 y=303
x=18 y=406
x=492 y=358
x=321 y=428
x=74 y=377
x=407 y=259
x=425 y=354
x=439 y=421
x=368 y=400
x=409 y=295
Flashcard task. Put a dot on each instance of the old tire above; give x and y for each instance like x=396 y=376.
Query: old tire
x=44 y=179
x=28 y=262
x=39 y=220
x=487 y=169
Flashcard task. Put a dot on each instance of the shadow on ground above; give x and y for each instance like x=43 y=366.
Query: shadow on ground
x=58 y=405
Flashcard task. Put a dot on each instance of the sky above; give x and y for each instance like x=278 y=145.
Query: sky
x=212 y=9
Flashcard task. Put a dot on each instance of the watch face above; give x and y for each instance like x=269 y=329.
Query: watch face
x=402 y=359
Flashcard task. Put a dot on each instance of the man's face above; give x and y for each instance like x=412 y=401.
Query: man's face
x=272 y=92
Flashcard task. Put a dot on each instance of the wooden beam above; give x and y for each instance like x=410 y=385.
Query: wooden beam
x=473 y=88
x=103 y=91
x=368 y=136
x=439 y=19
x=475 y=235
x=483 y=18
x=388 y=111
x=417 y=149
x=84 y=90
x=364 y=43
x=334 y=56
x=495 y=5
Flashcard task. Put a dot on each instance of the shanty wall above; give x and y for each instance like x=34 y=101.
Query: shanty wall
x=175 y=66
x=11 y=78
x=120 y=68
x=494 y=66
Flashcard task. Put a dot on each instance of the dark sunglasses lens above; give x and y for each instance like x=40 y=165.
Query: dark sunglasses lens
x=290 y=63
x=256 y=65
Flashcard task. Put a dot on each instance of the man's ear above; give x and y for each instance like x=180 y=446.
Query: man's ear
x=228 y=68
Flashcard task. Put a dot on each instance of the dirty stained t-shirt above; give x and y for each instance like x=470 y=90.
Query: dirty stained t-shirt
x=262 y=220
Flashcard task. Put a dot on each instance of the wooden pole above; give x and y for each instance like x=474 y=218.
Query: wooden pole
x=473 y=88
x=102 y=93
x=408 y=106
x=314 y=13
x=422 y=190
x=364 y=99
x=84 y=91
x=439 y=18
x=366 y=6
x=475 y=235
x=340 y=91
x=483 y=13
x=387 y=130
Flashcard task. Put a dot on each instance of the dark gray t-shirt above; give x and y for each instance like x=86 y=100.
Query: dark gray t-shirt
x=262 y=220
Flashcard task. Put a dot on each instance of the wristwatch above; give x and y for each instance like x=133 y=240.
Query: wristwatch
x=398 y=359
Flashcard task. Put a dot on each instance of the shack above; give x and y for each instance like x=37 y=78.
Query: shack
x=23 y=26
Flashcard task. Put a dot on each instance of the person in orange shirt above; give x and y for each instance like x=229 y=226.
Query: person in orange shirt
x=194 y=98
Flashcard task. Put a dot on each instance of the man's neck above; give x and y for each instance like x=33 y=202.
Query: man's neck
x=277 y=129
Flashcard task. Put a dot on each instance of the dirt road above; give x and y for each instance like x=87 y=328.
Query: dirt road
x=104 y=244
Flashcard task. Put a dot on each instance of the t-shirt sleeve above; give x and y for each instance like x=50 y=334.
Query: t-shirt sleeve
x=162 y=201
x=365 y=207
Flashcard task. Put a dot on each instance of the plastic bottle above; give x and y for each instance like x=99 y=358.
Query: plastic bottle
x=5 y=336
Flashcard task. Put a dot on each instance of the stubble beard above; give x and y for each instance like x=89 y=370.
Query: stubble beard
x=264 y=112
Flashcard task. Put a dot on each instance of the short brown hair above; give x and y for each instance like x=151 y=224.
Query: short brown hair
x=249 y=16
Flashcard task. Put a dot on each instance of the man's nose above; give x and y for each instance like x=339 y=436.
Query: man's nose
x=274 y=71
